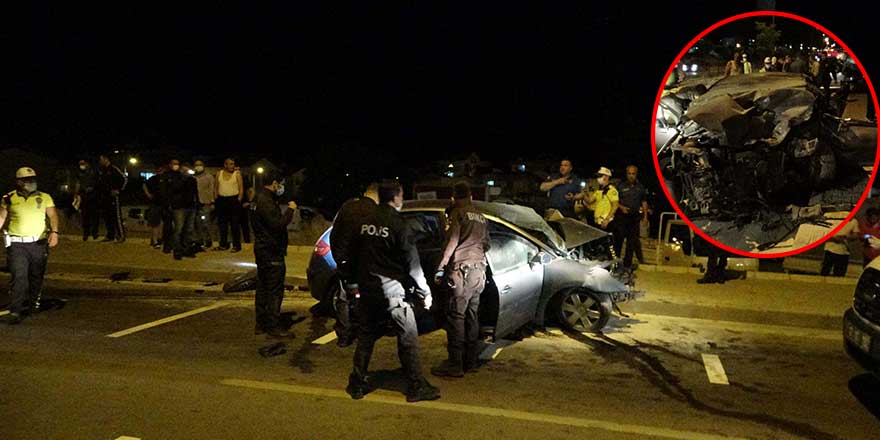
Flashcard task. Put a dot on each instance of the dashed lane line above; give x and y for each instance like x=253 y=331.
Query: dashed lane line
x=715 y=370
x=172 y=318
x=325 y=339
x=577 y=422
x=125 y=437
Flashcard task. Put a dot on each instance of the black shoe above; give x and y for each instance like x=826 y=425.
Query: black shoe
x=108 y=240
x=221 y=248
x=422 y=390
x=446 y=369
x=357 y=389
x=13 y=319
x=177 y=256
x=85 y=238
x=705 y=280
x=345 y=341
x=236 y=249
x=278 y=333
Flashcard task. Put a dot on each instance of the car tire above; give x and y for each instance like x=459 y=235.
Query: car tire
x=582 y=310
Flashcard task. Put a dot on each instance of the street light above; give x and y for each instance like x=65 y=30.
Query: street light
x=133 y=161
x=260 y=170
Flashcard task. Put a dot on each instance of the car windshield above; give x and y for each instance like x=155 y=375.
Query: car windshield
x=525 y=218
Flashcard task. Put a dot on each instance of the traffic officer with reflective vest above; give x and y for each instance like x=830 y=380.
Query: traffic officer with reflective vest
x=27 y=241
x=345 y=242
x=270 y=248
x=463 y=268
x=389 y=276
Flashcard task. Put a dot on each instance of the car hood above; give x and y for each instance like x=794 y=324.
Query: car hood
x=576 y=233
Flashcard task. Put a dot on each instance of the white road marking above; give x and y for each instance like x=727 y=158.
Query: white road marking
x=640 y=430
x=325 y=339
x=715 y=370
x=125 y=437
x=747 y=327
x=167 y=320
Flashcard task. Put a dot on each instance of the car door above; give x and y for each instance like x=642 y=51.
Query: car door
x=518 y=281
x=426 y=228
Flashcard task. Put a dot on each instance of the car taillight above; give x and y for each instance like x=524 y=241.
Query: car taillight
x=322 y=248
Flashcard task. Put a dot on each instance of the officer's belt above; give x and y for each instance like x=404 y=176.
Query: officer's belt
x=22 y=239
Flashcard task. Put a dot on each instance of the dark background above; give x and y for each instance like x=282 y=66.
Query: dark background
x=380 y=86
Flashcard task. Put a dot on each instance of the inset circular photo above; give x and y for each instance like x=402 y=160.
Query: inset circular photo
x=765 y=134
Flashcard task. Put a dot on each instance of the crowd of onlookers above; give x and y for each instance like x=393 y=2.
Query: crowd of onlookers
x=183 y=200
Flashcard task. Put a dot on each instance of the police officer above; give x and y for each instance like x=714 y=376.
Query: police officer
x=27 y=241
x=463 y=267
x=345 y=242
x=388 y=270
x=270 y=248
x=110 y=183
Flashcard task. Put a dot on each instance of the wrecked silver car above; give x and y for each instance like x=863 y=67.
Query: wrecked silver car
x=534 y=274
x=750 y=158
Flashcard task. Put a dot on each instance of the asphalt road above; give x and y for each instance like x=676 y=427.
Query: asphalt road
x=201 y=377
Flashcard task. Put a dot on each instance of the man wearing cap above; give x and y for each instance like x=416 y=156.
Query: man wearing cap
x=27 y=241
x=602 y=200
x=560 y=188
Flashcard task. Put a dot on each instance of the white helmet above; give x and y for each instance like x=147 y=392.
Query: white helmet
x=24 y=172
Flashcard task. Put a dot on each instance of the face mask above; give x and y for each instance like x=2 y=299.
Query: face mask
x=83 y=167
x=30 y=187
x=199 y=168
x=175 y=167
x=279 y=190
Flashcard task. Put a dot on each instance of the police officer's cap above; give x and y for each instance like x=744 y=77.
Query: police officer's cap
x=25 y=172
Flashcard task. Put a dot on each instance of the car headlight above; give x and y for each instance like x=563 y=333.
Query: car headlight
x=684 y=67
x=693 y=67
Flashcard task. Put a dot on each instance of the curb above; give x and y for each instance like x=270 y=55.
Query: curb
x=755 y=275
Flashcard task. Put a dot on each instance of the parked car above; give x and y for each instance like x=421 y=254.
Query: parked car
x=861 y=322
x=533 y=272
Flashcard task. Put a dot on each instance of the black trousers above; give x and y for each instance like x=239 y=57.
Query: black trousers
x=89 y=211
x=112 y=213
x=27 y=264
x=346 y=326
x=627 y=228
x=377 y=314
x=834 y=264
x=270 y=290
x=462 y=317
x=229 y=217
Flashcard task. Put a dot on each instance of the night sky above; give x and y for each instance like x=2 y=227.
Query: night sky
x=537 y=79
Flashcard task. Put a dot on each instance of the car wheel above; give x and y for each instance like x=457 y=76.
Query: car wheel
x=583 y=311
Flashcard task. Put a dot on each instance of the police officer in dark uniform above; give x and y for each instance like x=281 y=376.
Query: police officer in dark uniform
x=27 y=241
x=270 y=248
x=463 y=267
x=388 y=271
x=345 y=242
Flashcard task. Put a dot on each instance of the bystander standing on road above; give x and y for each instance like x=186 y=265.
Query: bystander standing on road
x=207 y=195
x=869 y=227
x=345 y=240
x=390 y=278
x=270 y=248
x=86 y=199
x=190 y=208
x=178 y=198
x=836 y=258
x=230 y=193
x=798 y=65
x=156 y=209
x=632 y=211
x=463 y=270
x=27 y=241
x=110 y=183
x=746 y=65
x=560 y=187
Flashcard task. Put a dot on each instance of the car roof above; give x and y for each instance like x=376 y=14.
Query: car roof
x=518 y=215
